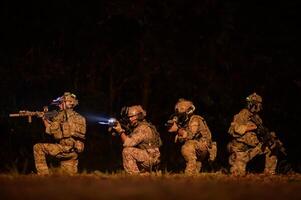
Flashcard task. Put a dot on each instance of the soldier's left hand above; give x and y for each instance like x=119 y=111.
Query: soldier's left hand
x=118 y=128
x=251 y=126
x=41 y=114
x=173 y=128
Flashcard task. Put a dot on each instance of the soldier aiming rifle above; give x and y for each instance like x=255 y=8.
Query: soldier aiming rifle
x=141 y=141
x=250 y=138
x=194 y=134
x=68 y=129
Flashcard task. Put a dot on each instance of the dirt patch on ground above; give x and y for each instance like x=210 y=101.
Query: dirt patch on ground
x=121 y=186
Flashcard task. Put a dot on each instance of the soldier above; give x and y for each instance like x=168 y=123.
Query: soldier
x=246 y=143
x=193 y=131
x=141 y=143
x=69 y=129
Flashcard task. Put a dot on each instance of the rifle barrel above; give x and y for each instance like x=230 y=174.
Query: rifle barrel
x=14 y=115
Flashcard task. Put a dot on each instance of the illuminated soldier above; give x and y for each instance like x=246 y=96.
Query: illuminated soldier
x=140 y=144
x=247 y=142
x=68 y=128
x=193 y=131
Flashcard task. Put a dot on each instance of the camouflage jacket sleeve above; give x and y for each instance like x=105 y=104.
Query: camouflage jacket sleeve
x=241 y=122
x=139 y=134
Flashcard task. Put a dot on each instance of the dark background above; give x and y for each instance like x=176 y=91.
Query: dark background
x=149 y=52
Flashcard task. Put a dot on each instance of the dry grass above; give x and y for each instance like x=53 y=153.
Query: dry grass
x=156 y=186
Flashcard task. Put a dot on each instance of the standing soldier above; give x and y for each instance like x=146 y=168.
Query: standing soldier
x=141 y=143
x=193 y=131
x=250 y=138
x=69 y=129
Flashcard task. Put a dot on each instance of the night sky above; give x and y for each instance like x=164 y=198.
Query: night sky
x=150 y=52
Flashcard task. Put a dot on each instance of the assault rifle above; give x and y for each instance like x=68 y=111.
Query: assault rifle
x=123 y=120
x=268 y=138
x=177 y=118
x=29 y=114
x=111 y=122
x=176 y=121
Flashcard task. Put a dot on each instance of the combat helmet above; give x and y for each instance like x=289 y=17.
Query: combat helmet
x=184 y=106
x=68 y=96
x=136 y=110
x=254 y=98
x=254 y=102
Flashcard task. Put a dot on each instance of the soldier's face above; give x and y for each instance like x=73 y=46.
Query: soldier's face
x=66 y=105
x=133 y=120
x=259 y=107
x=256 y=108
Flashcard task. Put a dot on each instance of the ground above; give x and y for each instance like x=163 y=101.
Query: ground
x=156 y=186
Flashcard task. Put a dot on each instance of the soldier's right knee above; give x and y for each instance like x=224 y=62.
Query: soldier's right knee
x=238 y=167
x=238 y=170
x=188 y=152
x=127 y=151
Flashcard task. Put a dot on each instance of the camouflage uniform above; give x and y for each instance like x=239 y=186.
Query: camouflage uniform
x=194 y=132
x=198 y=144
x=245 y=145
x=69 y=129
x=141 y=149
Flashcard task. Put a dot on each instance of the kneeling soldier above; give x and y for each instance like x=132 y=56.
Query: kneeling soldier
x=193 y=131
x=69 y=129
x=141 y=143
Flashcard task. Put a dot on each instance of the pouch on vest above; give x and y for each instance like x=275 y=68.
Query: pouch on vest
x=56 y=131
x=154 y=142
x=249 y=138
x=66 y=129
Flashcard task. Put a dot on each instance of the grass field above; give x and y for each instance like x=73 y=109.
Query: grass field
x=157 y=186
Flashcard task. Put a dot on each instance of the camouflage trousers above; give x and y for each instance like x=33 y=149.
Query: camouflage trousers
x=238 y=160
x=194 y=152
x=68 y=160
x=137 y=160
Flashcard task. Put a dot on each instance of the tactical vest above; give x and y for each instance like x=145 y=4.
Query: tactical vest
x=248 y=138
x=153 y=142
x=74 y=125
x=231 y=129
x=206 y=134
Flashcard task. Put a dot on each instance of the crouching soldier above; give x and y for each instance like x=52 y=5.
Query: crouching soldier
x=195 y=135
x=68 y=128
x=250 y=138
x=140 y=143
